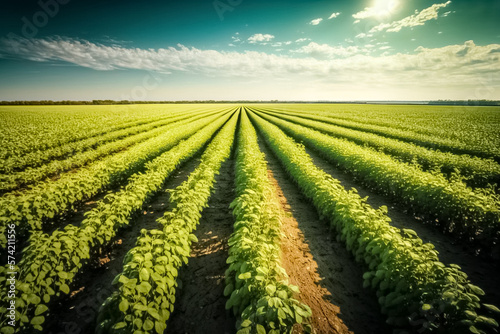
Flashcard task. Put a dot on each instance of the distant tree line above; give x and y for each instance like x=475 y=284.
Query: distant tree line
x=465 y=102
x=111 y=102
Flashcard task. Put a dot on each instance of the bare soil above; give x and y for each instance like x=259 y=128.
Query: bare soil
x=303 y=272
x=329 y=280
x=200 y=302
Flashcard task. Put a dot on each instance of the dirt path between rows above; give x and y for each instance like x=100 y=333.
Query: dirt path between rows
x=200 y=303
x=77 y=313
x=329 y=280
x=302 y=270
x=481 y=271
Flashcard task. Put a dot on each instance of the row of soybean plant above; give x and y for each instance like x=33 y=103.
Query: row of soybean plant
x=410 y=281
x=60 y=159
x=29 y=210
x=145 y=294
x=477 y=172
x=51 y=261
x=473 y=213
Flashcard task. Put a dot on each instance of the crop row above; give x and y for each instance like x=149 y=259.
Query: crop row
x=475 y=213
x=50 y=262
x=479 y=172
x=255 y=281
x=474 y=126
x=33 y=175
x=38 y=128
x=413 y=286
x=146 y=287
x=34 y=159
x=28 y=210
x=430 y=141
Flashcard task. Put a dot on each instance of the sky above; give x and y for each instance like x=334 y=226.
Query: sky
x=315 y=50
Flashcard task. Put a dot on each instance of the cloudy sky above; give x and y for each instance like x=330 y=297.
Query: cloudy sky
x=249 y=49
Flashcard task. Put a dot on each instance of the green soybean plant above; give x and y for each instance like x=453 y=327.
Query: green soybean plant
x=86 y=152
x=29 y=210
x=50 y=262
x=477 y=171
x=406 y=273
x=145 y=294
x=256 y=284
x=464 y=142
x=470 y=213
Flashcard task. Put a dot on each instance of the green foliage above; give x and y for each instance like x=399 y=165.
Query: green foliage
x=406 y=273
x=35 y=166
x=146 y=288
x=475 y=213
x=50 y=262
x=256 y=284
x=466 y=130
x=30 y=209
x=478 y=172
x=412 y=285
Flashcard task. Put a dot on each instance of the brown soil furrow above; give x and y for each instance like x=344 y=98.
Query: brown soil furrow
x=77 y=313
x=481 y=270
x=200 y=302
x=329 y=280
x=302 y=271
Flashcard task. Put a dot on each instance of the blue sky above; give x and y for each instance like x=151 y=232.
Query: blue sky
x=257 y=50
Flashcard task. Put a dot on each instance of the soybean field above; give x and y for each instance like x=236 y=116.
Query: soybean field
x=257 y=218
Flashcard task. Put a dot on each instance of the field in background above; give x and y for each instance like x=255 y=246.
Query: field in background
x=294 y=217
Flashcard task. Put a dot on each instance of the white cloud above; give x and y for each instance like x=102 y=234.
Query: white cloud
x=366 y=13
x=301 y=40
x=381 y=8
x=356 y=21
x=417 y=19
x=327 y=51
x=386 y=47
x=279 y=44
x=110 y=40
x=315 y=22
x=259 y=38
x=452 y=68
x=363 y=35
x=334 y=15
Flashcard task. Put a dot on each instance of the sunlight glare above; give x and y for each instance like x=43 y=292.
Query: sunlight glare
x=384 y=7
